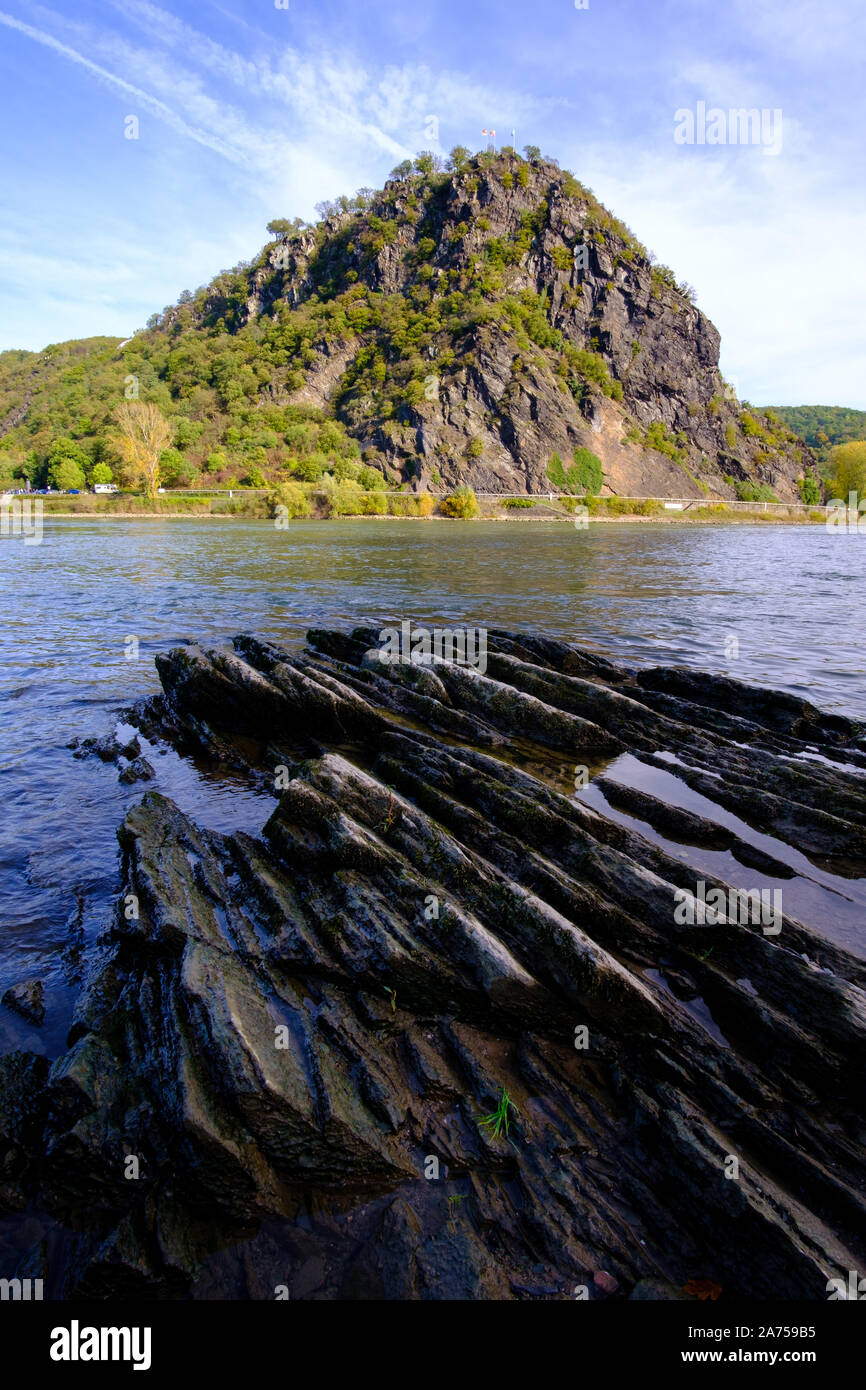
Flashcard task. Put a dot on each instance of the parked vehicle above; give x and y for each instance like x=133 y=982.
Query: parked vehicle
x=105 y=487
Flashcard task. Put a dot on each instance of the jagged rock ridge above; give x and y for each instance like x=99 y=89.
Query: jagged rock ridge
x=577 y=340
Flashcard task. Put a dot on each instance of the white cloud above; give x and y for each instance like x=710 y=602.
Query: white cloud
x=771 y=268
x=831 y=32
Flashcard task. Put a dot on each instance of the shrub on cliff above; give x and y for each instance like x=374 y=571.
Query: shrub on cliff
x=371 y=479
x=586 y=474
x=664 y=441
x=755 y=492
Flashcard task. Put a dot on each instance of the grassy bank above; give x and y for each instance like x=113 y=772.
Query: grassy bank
x=405 y=506
x=130 y=504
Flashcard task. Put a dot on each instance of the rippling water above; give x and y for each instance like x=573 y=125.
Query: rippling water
x=778 y=606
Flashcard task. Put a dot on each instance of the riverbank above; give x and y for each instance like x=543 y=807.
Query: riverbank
x=613 y=509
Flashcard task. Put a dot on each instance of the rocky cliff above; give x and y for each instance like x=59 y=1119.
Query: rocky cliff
x=492 y=324
x=534 y=323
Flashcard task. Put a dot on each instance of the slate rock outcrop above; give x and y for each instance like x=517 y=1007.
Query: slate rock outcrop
x=288 y=1060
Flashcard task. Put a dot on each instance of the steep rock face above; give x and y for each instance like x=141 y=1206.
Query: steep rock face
x=548 y=243
x=303 y=1038
x=459 y=327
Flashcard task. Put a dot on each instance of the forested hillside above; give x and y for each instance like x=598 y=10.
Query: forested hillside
x=823 y=426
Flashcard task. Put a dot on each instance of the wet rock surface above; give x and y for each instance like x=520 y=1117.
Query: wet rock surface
x=26 y=999
x=445 y=1030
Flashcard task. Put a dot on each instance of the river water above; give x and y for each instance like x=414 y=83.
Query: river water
x=779 y=606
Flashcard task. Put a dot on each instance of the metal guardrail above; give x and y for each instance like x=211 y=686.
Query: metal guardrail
x=687 y=503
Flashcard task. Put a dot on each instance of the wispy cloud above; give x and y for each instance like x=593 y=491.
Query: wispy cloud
x=151 y=103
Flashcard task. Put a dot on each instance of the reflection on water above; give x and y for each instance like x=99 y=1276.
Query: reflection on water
x=792 y=597
x=834 y=906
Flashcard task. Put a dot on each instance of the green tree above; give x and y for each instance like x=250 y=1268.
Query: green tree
x=186 y=432
x=66 y=449
x=458 y=158
x=371 y=479
x=345 y=499
x=101 y=473
x=848 y=469
x=19 y=467
x=533 y=153
x=309 y=470
x=345 y=468
x=589 y=472
x=175 y=470
x=170 y=465
x=66 y=473
x=288 y=500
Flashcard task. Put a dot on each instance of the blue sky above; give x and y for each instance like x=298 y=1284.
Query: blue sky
x=247 y=112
